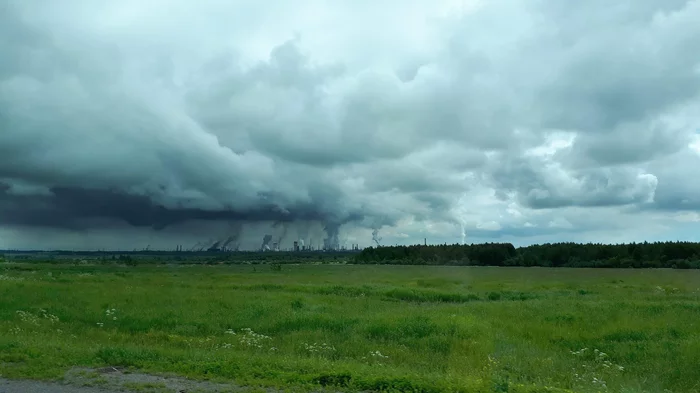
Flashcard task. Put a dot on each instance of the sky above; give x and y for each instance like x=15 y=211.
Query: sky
x=127 y=124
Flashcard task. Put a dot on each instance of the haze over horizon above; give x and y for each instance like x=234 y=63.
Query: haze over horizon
x=126 y=123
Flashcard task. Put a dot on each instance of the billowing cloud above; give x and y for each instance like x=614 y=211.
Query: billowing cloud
x=475 y=119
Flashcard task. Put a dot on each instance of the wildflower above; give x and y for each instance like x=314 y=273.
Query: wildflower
x=28 y=317
x=252 y=339
x=378 y=354
x=319 y=348
x=45 y=314
x=580 y=351
x=600 y=383
x=10 y=278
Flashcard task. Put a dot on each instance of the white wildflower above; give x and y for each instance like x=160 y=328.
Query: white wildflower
x=10 y=278
x=28 y=317
x=319 y=348
x=252 y=339
x=45 y=314
x=580 y=351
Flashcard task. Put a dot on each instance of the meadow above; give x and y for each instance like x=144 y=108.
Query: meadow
x=358 y=328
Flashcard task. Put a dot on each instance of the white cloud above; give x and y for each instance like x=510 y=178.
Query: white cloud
x=687 y=217
x=695 y=144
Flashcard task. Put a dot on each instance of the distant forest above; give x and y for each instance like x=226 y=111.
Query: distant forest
x=677 y=255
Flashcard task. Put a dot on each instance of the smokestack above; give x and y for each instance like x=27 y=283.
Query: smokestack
x=425 y=241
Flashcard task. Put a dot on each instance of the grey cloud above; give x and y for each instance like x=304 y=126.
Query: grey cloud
x=125 y=116
x=588 y=68
x=645 y=66
x=606 y=73
x=540 y=184
x=627 y=144
x=163 y=167
x=679 y=188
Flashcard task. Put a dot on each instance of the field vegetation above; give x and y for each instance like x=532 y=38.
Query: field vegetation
x=358 y=328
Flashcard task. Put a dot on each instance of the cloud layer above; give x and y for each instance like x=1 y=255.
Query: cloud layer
x=520 y=120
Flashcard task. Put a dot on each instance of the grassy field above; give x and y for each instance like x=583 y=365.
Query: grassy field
x=390 y=328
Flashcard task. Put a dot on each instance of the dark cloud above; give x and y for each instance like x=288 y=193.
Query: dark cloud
x=65 y=207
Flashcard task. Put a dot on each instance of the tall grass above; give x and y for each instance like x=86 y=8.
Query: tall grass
x=383 y=328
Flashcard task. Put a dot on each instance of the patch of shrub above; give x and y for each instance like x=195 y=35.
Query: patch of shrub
x=339 y=380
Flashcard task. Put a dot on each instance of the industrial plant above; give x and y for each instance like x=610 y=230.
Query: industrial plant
x=269 y=244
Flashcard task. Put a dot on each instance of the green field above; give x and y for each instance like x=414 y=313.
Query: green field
x=389 y=328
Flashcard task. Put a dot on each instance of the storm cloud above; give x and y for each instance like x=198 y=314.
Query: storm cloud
x=523 y=120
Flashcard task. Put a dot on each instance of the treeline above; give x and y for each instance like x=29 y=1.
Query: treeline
x=677 y=255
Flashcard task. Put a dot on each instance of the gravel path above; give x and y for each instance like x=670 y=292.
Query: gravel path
x=43 y=387
x=113 y=380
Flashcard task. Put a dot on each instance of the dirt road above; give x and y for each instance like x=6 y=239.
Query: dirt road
x=43 y=387
x=113 y=380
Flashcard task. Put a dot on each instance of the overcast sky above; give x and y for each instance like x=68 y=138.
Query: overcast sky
x=126 y=123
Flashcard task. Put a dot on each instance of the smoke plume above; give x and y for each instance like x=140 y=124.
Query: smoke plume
x=375 y=237
x=265 y=243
